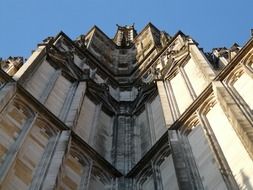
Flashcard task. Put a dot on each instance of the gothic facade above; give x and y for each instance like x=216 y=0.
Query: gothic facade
x=140 y=111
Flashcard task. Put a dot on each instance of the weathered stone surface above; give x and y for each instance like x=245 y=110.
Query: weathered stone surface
x=139 y=111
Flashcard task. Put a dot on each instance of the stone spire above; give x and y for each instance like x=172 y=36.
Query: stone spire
x=124 y=35
x=11 y=65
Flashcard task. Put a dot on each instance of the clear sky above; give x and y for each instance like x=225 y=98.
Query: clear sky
x=212 y=23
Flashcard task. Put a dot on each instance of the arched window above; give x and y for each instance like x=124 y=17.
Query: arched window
x=15 y=120
x=236 y=156
x=165 y=170
x=203 y=153
x=75 y=170
x=145 y=180
x=240 y=83
x=99 y=179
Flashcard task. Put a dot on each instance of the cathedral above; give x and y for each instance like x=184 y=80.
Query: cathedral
x=138 y=111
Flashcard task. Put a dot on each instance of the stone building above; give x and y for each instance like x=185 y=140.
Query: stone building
x=139 y=111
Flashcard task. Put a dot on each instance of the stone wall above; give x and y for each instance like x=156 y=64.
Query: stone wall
x=157 y=114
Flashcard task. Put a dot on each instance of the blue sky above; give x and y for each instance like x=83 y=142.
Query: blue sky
x=212 y=23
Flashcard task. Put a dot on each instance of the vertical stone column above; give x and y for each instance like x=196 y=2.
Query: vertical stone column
x=94 y=125
x=57 y=149
x=150 y=123
x=46 y=93
x=185 y=166
x=129 y=157
x=165 y=103
x=121 y=144
x=114 y=141
x=68 y=101
x=75 y=105
x=123 y=150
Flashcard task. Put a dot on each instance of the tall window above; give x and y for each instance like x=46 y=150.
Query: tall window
x=234 y=151
x=204 y=155
x=240 y=83
x=180 y=97
x=14 y=118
